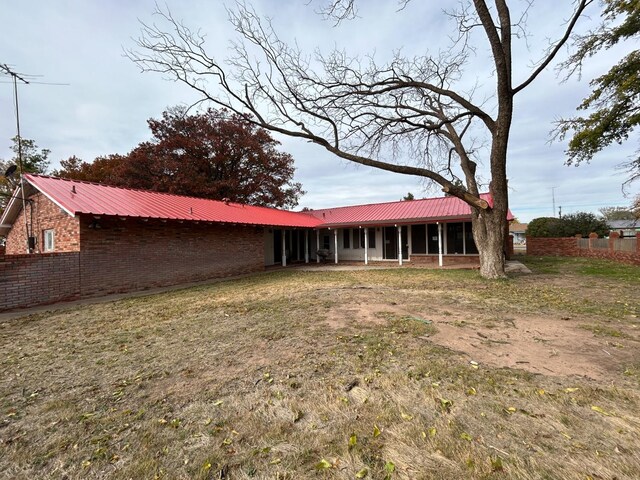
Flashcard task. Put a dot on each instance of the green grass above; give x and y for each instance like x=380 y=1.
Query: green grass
x=317 y=375
x=587 y=267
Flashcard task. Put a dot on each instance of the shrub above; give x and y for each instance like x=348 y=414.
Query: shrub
x=544 y=227
x=584 y=223
x=568 y=226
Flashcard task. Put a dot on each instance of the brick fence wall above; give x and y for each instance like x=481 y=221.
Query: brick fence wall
x=130 y=255
x=420 y=259
x=568 y=247
x=28 y=280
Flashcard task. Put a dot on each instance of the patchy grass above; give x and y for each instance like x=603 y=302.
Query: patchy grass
x=605 y=331
x=249 y=379
x=582 y=266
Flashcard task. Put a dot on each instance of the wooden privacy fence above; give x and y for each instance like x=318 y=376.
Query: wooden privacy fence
x=614 y=244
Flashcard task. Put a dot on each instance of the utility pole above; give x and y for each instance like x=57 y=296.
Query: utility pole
x=16 y=77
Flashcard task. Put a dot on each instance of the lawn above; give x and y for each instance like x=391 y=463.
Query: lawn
x=398 y=374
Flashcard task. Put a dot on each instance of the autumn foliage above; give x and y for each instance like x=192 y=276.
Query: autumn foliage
x=211 y=155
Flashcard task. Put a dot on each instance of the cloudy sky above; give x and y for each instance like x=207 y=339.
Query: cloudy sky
x=105 y=101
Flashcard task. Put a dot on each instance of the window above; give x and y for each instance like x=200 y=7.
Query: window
x=470 y=243
x=432 y=238
x=418 y=239
x=372 y=238
x=326 y=242
x=48 y=242
x=455 y=242
x=346 y=238
x=358 y=238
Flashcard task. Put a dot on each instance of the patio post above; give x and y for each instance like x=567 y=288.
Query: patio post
x=464 y=238
x=335 y=244
x=284 y=248
x=399 y=245
x=439 y=244
x=306 y=246
x=366 y=246
x=317 y=246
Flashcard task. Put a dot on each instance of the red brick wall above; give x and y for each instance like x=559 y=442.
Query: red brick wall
x=28 y=280
x=127 y=255
x=446 y=259
x=46 y=215
x=568 y=247
x=553 y=246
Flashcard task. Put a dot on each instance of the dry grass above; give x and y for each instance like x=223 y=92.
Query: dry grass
x=304 y=375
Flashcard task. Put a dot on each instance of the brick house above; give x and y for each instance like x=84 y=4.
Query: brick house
x=93 y=239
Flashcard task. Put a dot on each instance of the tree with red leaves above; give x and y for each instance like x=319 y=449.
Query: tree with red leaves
x=214 y=155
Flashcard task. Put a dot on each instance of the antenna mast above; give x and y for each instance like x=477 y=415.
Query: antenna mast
x=16 y=77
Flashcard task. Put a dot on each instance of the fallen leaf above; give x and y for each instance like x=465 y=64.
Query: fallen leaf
x=376 y=431
x=599 y=410
x=353 y=439
x=323 y=465
x=362 y=473
x=465 y=436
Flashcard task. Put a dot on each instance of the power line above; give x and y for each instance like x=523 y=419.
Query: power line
x=32 y=82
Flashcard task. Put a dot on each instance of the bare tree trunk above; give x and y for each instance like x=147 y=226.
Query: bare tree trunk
x=488 y=232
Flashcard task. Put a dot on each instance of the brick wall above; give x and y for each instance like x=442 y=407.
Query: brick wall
x=446 y=259
x=46 y=215
x=28 y=280
x=131 y=254
x=568 y=247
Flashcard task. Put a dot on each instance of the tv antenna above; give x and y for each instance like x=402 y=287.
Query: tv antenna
x=16 y=77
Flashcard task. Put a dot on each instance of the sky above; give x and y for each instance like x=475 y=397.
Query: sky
x=103 y=102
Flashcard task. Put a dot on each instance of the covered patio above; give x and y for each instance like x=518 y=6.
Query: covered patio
x=430 y=231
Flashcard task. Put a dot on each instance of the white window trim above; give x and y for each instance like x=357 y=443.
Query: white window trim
x=46 y=233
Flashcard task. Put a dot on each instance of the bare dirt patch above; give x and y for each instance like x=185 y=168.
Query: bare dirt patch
x=546 y=344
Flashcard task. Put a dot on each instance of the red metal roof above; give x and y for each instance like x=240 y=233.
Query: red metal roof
x=77 y=197
x=92 y=198
x=412 y=211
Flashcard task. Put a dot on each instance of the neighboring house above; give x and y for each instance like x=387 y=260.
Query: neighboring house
x=121 y=239
x=626 y=228
x=518 y=230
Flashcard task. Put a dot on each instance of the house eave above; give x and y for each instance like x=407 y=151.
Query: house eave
x=394 y=222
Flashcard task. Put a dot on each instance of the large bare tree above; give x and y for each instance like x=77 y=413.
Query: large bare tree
x=414 y=116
